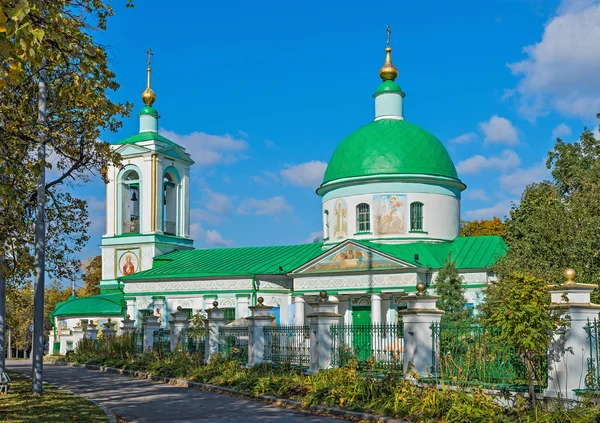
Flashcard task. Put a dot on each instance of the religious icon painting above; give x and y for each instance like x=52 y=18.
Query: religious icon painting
x=390 y=214
x=340 y=226
x=128 y=262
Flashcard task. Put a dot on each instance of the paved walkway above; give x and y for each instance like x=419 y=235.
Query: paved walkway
x=139 y=400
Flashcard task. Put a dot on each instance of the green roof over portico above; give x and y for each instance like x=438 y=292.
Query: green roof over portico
x=98 y=305
x=390 y=147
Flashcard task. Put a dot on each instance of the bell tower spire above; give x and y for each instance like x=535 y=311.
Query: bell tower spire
x=148 y=115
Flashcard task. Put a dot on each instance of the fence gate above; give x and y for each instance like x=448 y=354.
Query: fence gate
x=288 y=344
x=233 y=343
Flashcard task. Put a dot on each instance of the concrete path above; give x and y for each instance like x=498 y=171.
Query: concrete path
x=138 y=400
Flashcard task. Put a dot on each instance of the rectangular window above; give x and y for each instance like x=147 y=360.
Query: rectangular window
x=364 y=218
x=416 y=217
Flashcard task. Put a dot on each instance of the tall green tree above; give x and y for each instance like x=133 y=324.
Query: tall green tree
x=92 y=275
x=518 y=305
x=449 y=286
x=556 y=223
x=50 y=42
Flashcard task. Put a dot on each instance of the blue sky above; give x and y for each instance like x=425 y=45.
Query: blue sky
x=261 y=93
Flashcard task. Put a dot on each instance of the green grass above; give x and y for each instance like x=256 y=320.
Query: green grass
x=53 y=406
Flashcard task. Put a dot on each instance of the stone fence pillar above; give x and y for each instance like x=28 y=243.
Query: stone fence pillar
x=419 y=316
x=321 y=340
x=261 y=318
x=570 y=349
x=150 y=325
x=77 y=335
x=91 y=331
x=109 y=329
x=179 y=324
x=127 y=326
x=214 y=322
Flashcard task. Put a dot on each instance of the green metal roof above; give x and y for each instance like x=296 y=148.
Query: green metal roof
x=98 y=305
x=476 y=252
x=145 y=136
x=388 y=86
x=390 y=146
x=468 y=252
x=221 y=262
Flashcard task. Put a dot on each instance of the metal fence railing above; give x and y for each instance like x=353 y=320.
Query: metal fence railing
x=233 y=343
x=162 y=341
x=592 y=378
x=139 y=341
x=194 y=343
x=377 y=346
x=288 y=344
x=476 y=353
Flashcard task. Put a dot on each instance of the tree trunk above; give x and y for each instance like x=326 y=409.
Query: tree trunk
x=40 y=244
x=531 y=379
x=2 y=314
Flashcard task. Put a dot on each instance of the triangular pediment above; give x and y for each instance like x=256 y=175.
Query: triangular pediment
x=131 y=150
x=351 y=256
x=176 y=153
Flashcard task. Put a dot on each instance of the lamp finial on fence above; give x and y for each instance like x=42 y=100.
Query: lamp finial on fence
x=569 y=275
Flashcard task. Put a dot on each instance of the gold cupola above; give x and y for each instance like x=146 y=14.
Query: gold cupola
x=148 y=96
x=388 y=71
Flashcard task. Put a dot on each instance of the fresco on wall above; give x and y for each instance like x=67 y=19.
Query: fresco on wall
x=129 y=262
x=340 y=226
x=352 y=257
x=390 y=214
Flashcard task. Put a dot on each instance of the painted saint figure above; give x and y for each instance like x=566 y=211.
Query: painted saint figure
x=340 y=226
x=128 y=267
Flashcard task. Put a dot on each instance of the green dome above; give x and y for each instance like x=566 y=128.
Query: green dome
x=390 y=147
x=149 y=110
x=389 y=87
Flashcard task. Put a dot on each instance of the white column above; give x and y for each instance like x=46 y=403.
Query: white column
x=375 y=308
x=570 y=349
x=242 y=306
x=261 y=318
x=344 y=309
x=386 y=307
x=130 y=307
x=418 y=319
x=300 y=312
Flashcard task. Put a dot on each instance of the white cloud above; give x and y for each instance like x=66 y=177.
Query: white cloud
x=473 y=165
x=464 y=138
x=561 y=130
x=499 y=130
x=265 y=177
x=308 y=174
x=476 y=194
x=215 y=238
x=516 y=181
x=204 y=216
x=562 y=70
x=500 y=210
x=196 y=230
x=314 y=237
x=270 y=206
x=217 y=202
x=207 y=149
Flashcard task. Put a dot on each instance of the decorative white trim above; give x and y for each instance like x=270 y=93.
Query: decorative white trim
x=173 y=286
x=389 y=117
x=226 y=302
x=356 y=281
x=361 y=301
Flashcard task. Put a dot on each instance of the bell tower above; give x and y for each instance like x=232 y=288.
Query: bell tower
x=147 y=199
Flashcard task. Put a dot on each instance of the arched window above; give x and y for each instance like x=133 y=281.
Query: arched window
x=416 y=216
x=130 y=202
x=363 y=218
x=326 y=224
x=170 y=203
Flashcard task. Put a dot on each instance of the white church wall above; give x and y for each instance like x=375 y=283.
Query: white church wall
x=441 y=216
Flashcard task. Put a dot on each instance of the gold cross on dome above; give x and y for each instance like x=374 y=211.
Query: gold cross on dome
x=389 y=32
x=150 y=54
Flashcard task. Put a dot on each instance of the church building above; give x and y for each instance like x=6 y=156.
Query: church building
x=390 y=211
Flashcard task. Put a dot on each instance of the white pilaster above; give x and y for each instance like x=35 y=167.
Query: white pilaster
x=300 y=312
x=375 y=308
